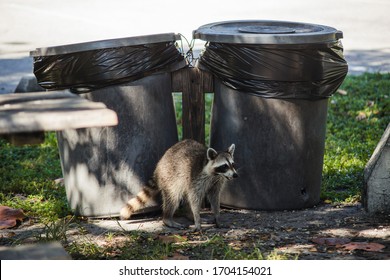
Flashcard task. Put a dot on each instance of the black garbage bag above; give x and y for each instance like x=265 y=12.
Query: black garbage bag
x=88 y=70
x=311 y=71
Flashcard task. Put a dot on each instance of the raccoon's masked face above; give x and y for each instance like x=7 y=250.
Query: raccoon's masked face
x=222 y=163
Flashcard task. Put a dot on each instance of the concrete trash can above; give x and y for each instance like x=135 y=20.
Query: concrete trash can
x=104 y=167
x=272 y=83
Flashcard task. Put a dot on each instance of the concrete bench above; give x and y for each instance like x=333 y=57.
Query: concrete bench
x=24 y=116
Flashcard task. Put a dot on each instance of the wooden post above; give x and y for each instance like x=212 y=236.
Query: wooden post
x=193 y=83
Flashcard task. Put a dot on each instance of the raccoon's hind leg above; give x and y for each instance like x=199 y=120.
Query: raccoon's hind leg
x=170 y=205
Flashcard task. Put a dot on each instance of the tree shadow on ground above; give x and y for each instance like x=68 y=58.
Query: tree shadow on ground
x=287 y=232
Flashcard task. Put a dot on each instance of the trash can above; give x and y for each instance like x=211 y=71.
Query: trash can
x=104 y=167
x=271 y=89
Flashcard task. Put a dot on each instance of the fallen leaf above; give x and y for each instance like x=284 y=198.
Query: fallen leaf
x=365 y=246
x=59 y=181
x=361 y=116
x=8 y=235
x=235 y=245
x=172 y=239
x=9 y=217
x=313 y=249
x=342 y=92
x=330 y=241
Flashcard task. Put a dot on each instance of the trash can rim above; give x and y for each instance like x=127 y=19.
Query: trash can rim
x=104 y=44
x=244 y=32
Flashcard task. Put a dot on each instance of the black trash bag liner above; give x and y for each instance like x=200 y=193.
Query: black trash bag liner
x=298 y=71
x=88 y=70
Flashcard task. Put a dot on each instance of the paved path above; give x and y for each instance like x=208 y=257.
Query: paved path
x=26 y=25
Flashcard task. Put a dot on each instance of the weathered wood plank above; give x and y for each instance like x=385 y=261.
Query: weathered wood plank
x=30 y=96
x=55 y=120
x=193 y=83
x=45 y=111
x=30 y=84
x=53 y=104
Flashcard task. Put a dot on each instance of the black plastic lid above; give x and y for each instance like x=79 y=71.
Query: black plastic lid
x=105 y=44
x=266 y=32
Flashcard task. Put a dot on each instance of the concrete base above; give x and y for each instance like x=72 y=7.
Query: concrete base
x=43 y=251
x=376 y=193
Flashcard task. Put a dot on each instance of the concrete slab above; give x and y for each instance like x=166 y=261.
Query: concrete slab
x=146 y=224
x=43 y=251
x=376 y=195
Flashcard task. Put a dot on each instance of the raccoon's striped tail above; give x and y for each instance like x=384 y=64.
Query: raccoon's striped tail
x=138 y=202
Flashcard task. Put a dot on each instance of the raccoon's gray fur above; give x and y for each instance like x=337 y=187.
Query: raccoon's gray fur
x=188 y=172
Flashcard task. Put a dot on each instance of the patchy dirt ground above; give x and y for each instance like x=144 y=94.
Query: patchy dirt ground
x=323 y=232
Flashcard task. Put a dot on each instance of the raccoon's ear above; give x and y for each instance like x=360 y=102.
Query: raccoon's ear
x=231 y=149
x=211 y=154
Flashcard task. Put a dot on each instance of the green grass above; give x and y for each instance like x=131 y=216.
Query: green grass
x=178 y=107
x=27 y=179
x=356 y=121
x=137 y=245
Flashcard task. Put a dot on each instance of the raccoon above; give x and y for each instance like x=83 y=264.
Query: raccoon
x=187 y=172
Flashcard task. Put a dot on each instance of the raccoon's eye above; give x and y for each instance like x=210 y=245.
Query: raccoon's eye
x=222 y=168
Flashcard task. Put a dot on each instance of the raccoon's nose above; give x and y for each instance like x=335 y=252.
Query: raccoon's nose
x=235 y=175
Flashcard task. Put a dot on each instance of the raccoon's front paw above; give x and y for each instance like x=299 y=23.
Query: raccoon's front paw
x=218 y=224
x=197 y=229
